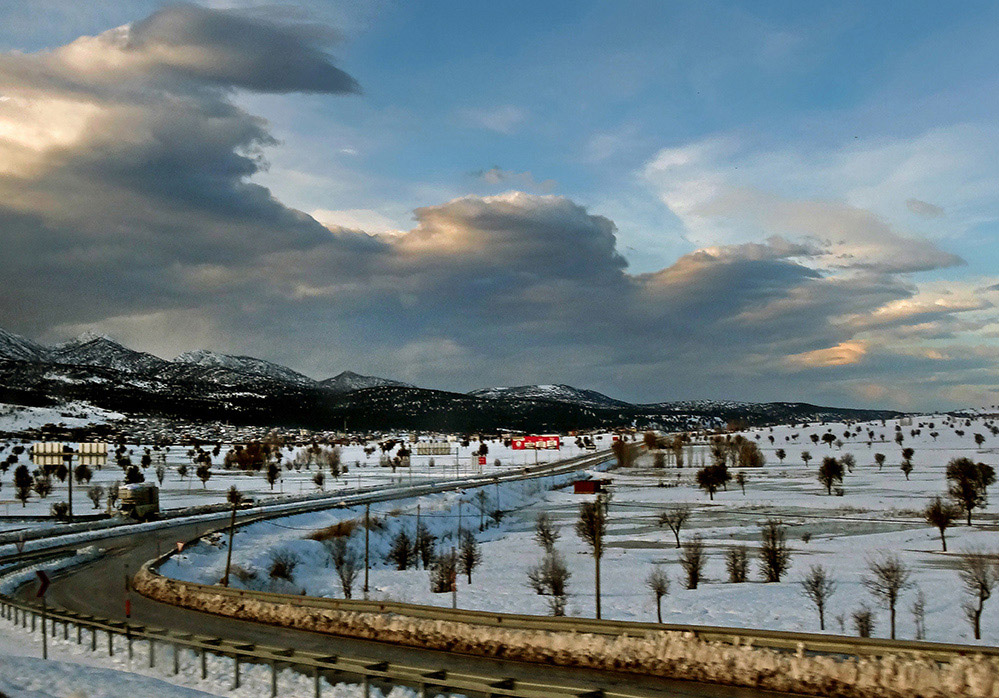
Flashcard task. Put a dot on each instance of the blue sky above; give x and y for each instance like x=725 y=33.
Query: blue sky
x=804 y=193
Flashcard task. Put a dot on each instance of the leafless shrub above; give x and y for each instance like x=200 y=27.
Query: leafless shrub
x=737 y=563
x=550 y=578
x=692 y=559
x=775 y=558
x=888 y=578
x=818 y=587
x=658 y=583
x=283 y=564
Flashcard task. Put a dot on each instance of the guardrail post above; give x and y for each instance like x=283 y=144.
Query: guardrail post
x=204 y=664
x=176 y=659
x=79 y=634
x=152 y=652
x=235 y=671
x=65 y=630
x=33 y=615
x=128 y=640
x=110 y=643
x=317 y=687
x=274 y=675
x=366 y=686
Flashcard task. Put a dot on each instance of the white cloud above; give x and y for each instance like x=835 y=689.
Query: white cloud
x=502 y=119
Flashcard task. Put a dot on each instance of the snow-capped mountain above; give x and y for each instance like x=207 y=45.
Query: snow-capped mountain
x=244 y=364
x=99 y=350
x=14 y=346
x=554 y=393
x=207 y=385
x=348 y=380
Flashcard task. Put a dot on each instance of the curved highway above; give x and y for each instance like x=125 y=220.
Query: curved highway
x=98 y=589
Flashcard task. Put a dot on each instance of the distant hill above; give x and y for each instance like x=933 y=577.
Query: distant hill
x=554 y=393
x=246 y=390
x=348 y=381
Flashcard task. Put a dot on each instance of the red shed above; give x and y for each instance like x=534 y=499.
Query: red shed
x=589 y=486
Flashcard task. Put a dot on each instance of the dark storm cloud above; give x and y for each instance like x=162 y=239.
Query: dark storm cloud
x=211 y=46
x=126 y=205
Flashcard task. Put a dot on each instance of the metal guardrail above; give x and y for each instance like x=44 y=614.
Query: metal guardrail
x=316 y=502
x=426 y=680
x=815 y=643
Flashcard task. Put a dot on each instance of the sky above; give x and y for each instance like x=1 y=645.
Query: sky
x=658 y=200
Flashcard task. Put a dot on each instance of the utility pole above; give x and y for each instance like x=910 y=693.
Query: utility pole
x=232 y=531
x=598 y=548
x=367 y=527
x=418 y=536
x=454 y=577
x=67 y=456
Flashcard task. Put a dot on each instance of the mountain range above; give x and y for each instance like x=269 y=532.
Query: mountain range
x=242 y=389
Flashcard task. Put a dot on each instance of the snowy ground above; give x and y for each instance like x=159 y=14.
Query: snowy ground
x=73 y=671
x=14 y=418
x=879 y=511
x=363 y=470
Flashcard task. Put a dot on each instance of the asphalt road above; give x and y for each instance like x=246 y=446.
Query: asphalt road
x=98 y=589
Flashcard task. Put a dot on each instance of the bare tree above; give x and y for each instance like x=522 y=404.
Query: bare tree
x=737 y=563
x=711 y=477
x=444 y=572
x=978 y=574
x=96 y=494
x=830 y=473
x=818 y=586
x=347 y=564
x=848 y=461
x=423 y=545
x=740 y=480
x=692 y=559
x=591 y=528
x=968 y=483
x=941 y=515
x=469 y=554
x=775 y=558
x=863 y=621
x=658 y=583
x=674 y=518
x=888 y=577
x=550 y=578
x=545 y=532
x=401 y=552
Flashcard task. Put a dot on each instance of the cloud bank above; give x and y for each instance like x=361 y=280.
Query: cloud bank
x=127 y=205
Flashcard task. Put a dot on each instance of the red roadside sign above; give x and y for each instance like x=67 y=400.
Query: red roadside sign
x=43 y=583
x=482 y=460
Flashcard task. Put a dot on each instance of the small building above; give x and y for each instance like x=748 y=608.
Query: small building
x=590 y=486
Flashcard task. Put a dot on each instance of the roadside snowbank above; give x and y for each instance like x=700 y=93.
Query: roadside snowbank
x=666 y=654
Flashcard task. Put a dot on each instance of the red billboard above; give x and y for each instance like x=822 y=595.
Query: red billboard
x=519 y=443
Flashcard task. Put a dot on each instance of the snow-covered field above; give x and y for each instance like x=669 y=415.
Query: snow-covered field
x=73 y=671
x=878 y=512
x=362 y=470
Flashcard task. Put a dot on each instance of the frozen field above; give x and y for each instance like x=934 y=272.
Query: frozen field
x=363 y=469
x=878 y=511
